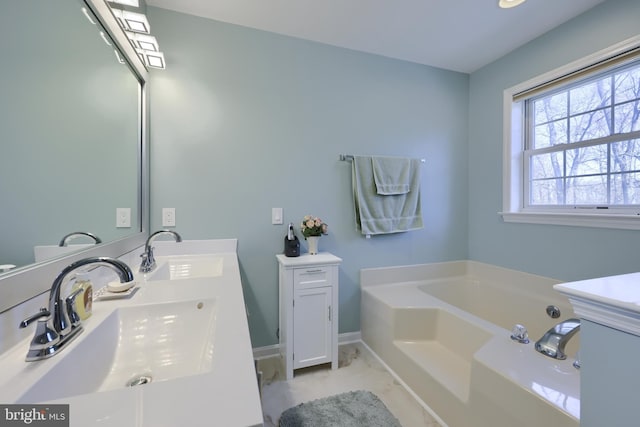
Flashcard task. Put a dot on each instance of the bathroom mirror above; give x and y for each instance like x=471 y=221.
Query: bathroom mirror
x=73 y=131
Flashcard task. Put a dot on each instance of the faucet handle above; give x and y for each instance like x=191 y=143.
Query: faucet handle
x=74 y=317
x=45 y=336
x=40 y=314
x=519 y=333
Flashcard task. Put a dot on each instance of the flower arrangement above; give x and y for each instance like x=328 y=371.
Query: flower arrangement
x=313 y=226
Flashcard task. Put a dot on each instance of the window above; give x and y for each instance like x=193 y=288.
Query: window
x=572 y=143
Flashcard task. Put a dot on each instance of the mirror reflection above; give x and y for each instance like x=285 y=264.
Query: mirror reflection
x=69 y=126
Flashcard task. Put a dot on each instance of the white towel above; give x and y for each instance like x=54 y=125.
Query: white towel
x=392 y=175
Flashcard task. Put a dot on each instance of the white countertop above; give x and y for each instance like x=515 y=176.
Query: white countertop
x=322 y=258
x=613 y=301
x=227 y=395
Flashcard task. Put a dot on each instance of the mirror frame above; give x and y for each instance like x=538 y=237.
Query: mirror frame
x=33 y=280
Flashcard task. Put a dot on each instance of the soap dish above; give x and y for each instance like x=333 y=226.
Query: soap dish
x=105 y=294
x=120 y=287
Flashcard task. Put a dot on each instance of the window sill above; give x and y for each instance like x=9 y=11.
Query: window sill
x=619 y=221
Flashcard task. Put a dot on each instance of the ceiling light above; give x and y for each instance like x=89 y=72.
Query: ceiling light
x=152 y=59
x=132 y=21
x=143 y=41
x=506 y=4
x=134 y=3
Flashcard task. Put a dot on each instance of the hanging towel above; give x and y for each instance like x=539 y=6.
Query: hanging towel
x=383 y=214
x=392 y=175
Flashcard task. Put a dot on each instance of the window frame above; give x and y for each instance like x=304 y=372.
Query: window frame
x=515 y=170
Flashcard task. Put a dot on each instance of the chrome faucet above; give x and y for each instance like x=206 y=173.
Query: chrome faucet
x=68 y=237
x=148 y=261
x=555 y=339
x=60 y=324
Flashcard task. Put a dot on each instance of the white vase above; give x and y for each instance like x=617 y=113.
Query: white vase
x=313 y=244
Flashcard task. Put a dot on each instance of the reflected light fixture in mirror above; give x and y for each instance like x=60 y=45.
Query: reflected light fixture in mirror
x=506 y=4
x=132 y=21
x=137 y=28
x=134 y=3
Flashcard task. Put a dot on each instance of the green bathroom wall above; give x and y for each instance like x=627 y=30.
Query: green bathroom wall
x=243 y=121
x=566 y=253
x=68 y=130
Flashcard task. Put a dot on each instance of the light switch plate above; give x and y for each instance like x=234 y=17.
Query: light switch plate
x=276 y=216
x=123 y=217
x=168 y=217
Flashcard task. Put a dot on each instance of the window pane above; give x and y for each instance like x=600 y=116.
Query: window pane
x=595 y=124
x=549 y=165
x=566 y=123
x=546 y=192
x=627 y=117
x=590 y=96
x=587 y=160
x=550 y=108
x=625 y=189
x=625 y=156
x=627 y=85
x=549 y=134
x=587 y=190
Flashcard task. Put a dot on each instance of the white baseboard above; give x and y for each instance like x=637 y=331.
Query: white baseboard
x=274 y=350
x=349 y=337
x=266 y=351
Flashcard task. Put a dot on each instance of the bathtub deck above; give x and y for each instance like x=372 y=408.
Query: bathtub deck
x=445 y=366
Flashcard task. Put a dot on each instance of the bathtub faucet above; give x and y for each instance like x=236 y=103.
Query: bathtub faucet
x=555 y=339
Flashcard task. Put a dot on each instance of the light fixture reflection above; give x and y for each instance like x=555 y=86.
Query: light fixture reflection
x=134 y=3
x=152 y=59
x=132 y=21
x=506 y=4
x=143 y=41
x=88 y=15
x=120 y=60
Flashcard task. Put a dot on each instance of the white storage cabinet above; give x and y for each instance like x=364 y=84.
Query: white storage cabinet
x=308 y=333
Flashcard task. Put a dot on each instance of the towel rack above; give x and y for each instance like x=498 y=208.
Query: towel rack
x=349 y=158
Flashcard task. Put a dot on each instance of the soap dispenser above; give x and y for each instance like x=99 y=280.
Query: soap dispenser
x=291 y=243
x=83 y=303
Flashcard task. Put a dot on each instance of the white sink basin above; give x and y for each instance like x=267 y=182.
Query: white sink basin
x=186 y=267
x=157 y=341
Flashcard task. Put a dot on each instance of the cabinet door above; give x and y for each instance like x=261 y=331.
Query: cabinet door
x=312 y=320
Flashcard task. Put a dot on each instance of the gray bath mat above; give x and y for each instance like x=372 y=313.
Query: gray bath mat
x=351 y=409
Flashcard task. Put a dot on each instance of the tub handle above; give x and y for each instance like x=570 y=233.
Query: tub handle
x=519 y=333
x=553 y=311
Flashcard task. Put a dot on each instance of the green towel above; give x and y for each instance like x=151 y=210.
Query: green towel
x=392 y=175
x=383 y=214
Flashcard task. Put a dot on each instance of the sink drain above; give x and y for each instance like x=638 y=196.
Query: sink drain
x=139 y=380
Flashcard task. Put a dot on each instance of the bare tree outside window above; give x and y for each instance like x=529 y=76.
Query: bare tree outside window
x=583 y=145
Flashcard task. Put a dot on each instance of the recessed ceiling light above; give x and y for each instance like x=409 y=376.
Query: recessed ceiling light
x=506 y=4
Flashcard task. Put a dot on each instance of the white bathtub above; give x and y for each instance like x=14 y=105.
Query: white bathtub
x=444 y=329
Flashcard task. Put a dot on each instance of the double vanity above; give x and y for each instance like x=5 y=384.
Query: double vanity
x=173 y=350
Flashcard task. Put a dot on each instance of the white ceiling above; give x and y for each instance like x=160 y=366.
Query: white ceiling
x=459 y=35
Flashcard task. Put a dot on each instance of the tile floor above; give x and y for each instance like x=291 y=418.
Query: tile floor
x=358 y=370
